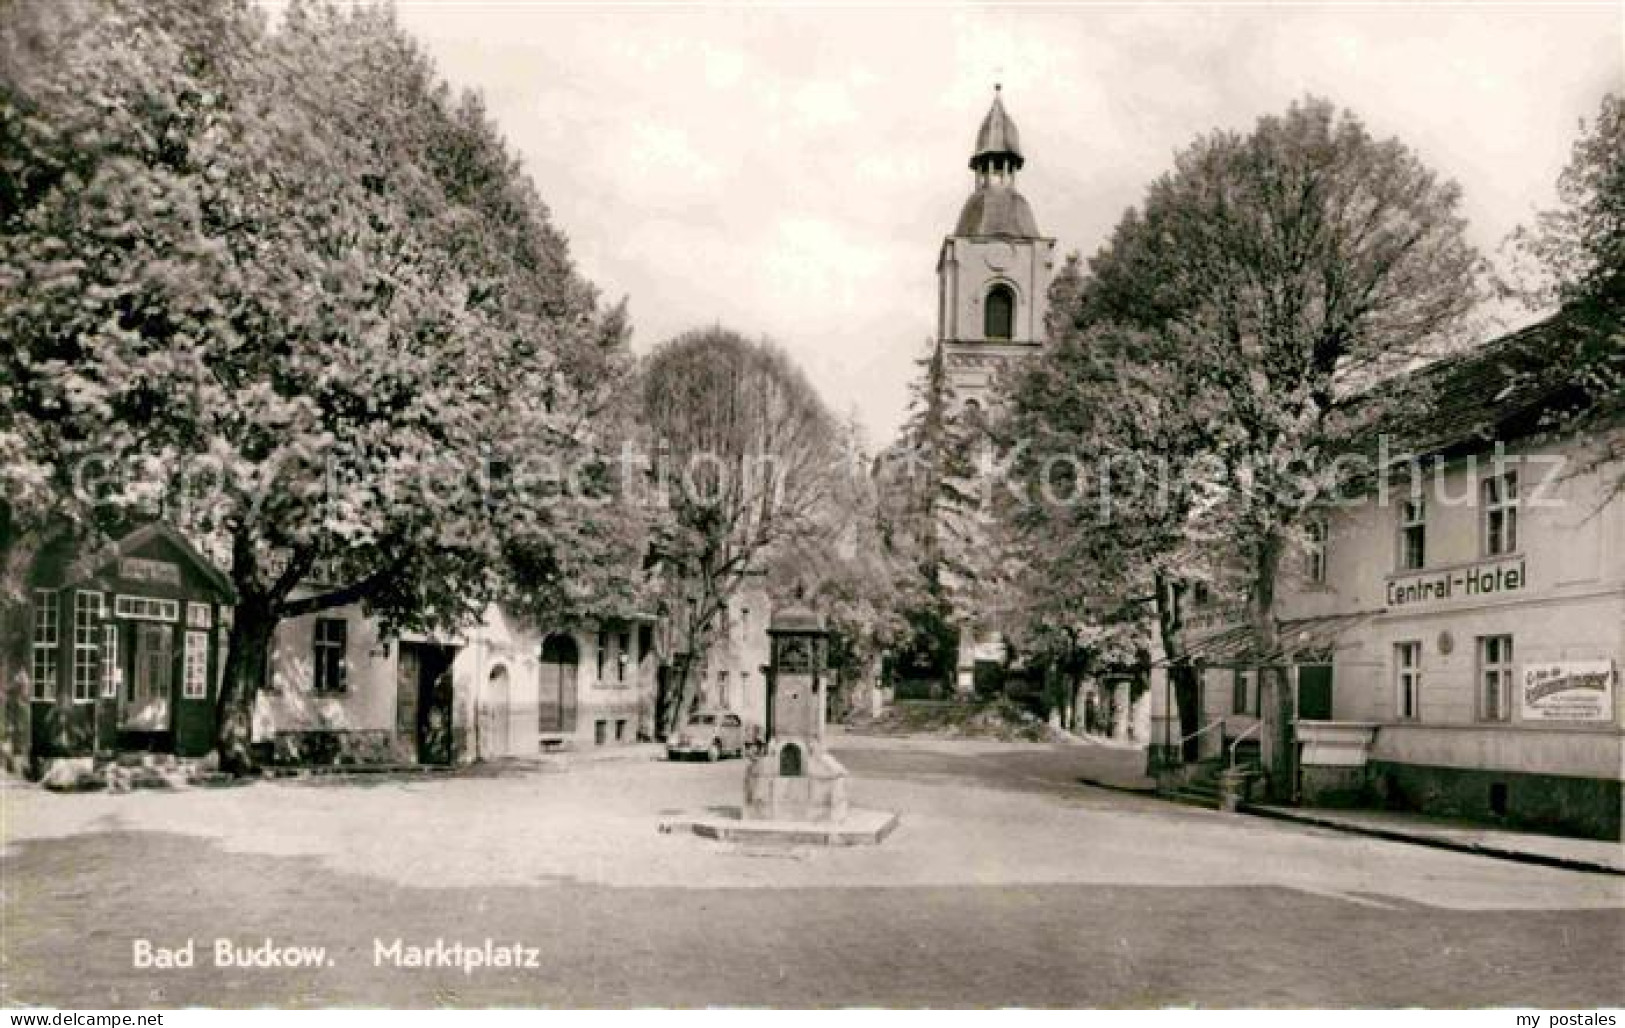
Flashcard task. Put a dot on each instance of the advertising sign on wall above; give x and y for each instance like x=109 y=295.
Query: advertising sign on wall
x=1474 y=581
x=1578 y=690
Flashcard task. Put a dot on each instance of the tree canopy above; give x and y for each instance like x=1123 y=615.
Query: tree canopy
x=308 y=319
x=749 y=463
x=1272 y=277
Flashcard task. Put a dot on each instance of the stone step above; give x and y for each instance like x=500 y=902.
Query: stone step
x=144 y=759
x=120 y=778
x=1193 y=798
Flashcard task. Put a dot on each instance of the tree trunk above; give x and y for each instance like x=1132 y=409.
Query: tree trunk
x=15 y=650
x=247 y=660
x=1181 y=673
x=1272 y=669
x=679 y=695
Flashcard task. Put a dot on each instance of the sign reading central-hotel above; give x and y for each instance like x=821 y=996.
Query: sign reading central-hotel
x=1473 y=581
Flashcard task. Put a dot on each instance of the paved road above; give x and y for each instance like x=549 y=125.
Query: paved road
x=1007 y=884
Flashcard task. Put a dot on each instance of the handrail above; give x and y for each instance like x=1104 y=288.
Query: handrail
x=1255 y=726
x=1217 y=722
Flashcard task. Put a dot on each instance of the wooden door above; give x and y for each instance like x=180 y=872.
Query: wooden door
x=435 y=741
x=556 y=687
x=494 y=709
x=145 y=705
x=407 y=672
x=1315 y=692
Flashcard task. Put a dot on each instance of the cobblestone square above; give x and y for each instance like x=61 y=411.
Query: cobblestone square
x=1008 y=883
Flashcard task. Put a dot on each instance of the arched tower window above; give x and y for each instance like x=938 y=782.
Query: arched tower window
x=999 y=313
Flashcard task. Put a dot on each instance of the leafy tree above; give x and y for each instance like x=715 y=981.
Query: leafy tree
x=927 y=484
x=1286 y=270
x=749 y=464
x=1578 y=250
x=306 y=317
x=850 y=575
x=1107 y=434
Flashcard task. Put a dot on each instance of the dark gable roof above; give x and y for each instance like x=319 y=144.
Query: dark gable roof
x=89 y=564
x=1520 y=385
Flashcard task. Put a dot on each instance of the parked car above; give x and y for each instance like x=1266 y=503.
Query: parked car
x=713 y=734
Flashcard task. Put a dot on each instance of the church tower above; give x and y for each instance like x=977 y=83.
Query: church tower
x=993 y=272
x=993 y=277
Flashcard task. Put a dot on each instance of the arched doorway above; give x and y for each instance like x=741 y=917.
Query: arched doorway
x=556 y=686
x=790 y=761
x=494 y=707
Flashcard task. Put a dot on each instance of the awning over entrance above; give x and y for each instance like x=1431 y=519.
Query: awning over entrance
x=1303 y=641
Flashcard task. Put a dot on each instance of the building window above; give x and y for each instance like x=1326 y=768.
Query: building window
x=46 y=640
x=1500 y=495
x=600 y=732
x=722 y=689
x=1241 y=691
x=145 y=608
x=1495 y=677
x=198 y=615
x=1413 y=531
x=623 y=655
x=328 y=645
x=999 y=314
x=620 y=729
x=110 y=668
x=87 y=644
x=195 y=676
x=1315 y=556
x=1408 y=680
x=603 y=653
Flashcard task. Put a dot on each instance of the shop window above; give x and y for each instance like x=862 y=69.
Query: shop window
x=1315 y=554
x=47 y=626
x=198 y=616
x=1408 y=680
x=1242 y=692
x=329 y=643
x=110 y=665
x=87 y=644
x=1413 y=532
x=1500 y=526
x=195 y=672
x=1495 y=677
x=145 y=608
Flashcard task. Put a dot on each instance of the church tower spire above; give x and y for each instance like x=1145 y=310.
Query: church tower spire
x=993 y=271
x=998 y=144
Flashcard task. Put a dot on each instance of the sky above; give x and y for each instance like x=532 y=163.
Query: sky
x=790 y=171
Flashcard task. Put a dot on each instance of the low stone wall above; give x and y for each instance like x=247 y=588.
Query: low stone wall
x=1587 y=807
x=1347 y=787
x=322 y=747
